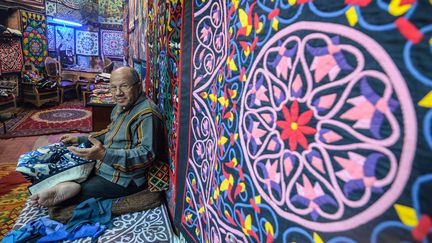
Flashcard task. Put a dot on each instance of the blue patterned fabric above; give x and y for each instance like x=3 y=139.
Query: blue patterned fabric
x=48 y=160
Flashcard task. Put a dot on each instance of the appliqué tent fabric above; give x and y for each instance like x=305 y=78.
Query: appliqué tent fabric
x=305 y=121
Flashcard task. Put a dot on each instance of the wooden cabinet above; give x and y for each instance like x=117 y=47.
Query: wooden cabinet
x=101 y=115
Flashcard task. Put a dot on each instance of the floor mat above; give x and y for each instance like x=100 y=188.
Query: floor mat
x=151 y=225
x=13 y=196
x=68 y=117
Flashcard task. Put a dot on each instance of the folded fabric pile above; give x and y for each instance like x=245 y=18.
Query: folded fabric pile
x=8 y=86
x=40 y=82
x=101 y=94
x=52 y=164
x=4 y=92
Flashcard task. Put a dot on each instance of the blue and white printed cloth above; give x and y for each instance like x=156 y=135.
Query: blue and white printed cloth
x=49 y=165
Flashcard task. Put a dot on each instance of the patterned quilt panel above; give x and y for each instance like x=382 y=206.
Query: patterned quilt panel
x=306 y=121
x=65 y=39
x=87 y=43
x=112 y=43
x=110 y=12
x=11 y=56
x=35 y=46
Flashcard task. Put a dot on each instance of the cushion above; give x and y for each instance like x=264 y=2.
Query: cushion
x=139 y=201
x=158 y=177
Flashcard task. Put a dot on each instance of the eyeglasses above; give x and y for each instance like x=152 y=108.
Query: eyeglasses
x=123 y=88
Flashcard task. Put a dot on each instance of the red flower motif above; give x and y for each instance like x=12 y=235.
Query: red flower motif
x=294 y=126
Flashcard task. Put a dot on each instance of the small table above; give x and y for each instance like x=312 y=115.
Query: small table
x=101 y=115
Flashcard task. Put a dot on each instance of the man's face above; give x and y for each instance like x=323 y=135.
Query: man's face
x=125 y=93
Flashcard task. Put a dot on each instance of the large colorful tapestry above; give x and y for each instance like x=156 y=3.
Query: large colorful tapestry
x=11 y=57
x=65 y=39
x=51 y=37
x=87 y=43
x=110 y=12
x=34 y=39
x=170 y=87
x=306 y=121
x=112 y=43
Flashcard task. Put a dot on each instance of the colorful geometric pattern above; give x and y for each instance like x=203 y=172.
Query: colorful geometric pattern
x=112 y=43
x=126 y=32
x=11 y=57
x=51 y=37
x=110 y=12
x=151 y=50
x=162 y=12
x=300 y=123
x=34 y=39
x=158 y=177
x=65 y=39
x=87 y=43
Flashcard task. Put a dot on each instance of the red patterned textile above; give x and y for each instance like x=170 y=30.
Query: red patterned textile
x=11 y=58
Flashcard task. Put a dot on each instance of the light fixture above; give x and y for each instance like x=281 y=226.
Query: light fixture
x=66 y=22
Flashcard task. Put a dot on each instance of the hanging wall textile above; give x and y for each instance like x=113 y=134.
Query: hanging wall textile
x=11 y=57
x=162 y=12
x=50 y=8
x=110 y=12
x=112 y=43
x=65 y=39
x=51 y=37
x=87 y=43
x=170 y=88
x=151 y=50
x=309 y=121
x=64 y=12
x=142 y=31
x=75 y=4
x=34 y=39
x=131 y=14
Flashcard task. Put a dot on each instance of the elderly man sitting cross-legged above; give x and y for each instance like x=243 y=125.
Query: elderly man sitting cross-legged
x=124 y=151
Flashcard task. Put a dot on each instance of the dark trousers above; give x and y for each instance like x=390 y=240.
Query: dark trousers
x=98 y=187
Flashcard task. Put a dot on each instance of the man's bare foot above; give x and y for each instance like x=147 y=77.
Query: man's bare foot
x=56 y=194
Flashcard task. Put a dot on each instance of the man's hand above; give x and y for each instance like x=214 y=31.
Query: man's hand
x=95 y=152
x=69 y=139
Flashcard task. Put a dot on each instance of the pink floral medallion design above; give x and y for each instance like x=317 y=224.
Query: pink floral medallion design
x=327 y=127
